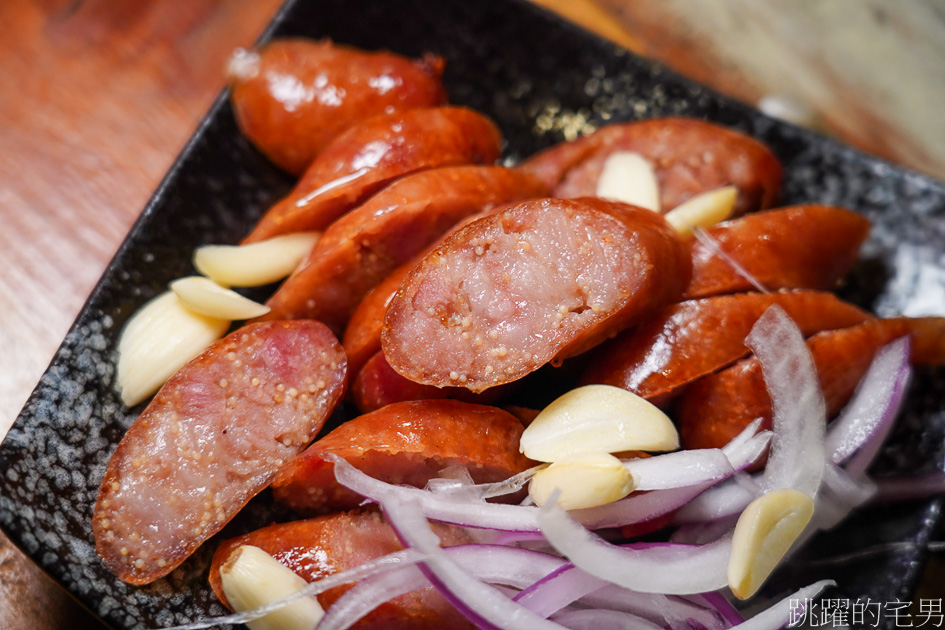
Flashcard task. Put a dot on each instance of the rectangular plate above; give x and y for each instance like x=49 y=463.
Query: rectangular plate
x=542 y=80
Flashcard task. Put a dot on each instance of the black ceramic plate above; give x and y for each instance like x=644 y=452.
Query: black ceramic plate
x=542 y=80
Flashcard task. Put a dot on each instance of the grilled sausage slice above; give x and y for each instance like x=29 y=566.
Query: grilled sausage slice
x=405 y=443
x=542 y=280
x=211 y=439
x=373 y=153
x=691 y=339
x=716 y=408
x=293 y=96
x=688 y=157
x=360 y=249
x=800 y=247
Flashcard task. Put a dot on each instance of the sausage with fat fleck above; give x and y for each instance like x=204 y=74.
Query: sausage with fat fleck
x=212 y=438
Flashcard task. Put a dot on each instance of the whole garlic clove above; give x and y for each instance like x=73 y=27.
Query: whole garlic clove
x=764 y=533
x=703 y=210
x=629 y=177
x=157 y=341
x=597 y=419
x=254 y=264
x=206 y=297
x=251 y=578
x=582 y=481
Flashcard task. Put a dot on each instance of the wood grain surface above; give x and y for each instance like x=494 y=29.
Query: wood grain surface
x=98 y=96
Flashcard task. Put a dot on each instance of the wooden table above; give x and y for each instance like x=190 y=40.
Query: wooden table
x=98 y=97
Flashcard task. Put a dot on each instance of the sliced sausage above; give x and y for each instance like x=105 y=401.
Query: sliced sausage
x=716 y=408
x=691 y=339
x=371 y=154
x=378 y=385
x=803 y=247
x=364 y=246
x=211 y=439
x=404 y=443
x=293 y=96
x=688 y=156
x=362 y=338
x=545 y=279
x=320 y=547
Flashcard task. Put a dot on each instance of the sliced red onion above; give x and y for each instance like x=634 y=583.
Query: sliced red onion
x=724 y=500
x=460 y=489
x=682 y=468
x=511 y=566
x=860 y=430
x=480 y=603
x=490 y=563
x=702 y=533
x=639 y=567
x=719 y=603
x=639 y=507
x=750 y=431
x=785 y=611
x=604 y=620
x=370 y=593
x=558 y=590
x=796 y=459
x=744 y=454
x=439 y=507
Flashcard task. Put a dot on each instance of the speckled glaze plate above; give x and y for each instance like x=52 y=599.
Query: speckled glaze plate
x=542 y=80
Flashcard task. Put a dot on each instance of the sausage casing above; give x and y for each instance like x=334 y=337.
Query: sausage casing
x=371 y=154
x=688 y=157
x=293 y=96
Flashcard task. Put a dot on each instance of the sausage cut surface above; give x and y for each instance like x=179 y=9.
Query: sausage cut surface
x=361 y=248
x=212 y=438
x=542 y=280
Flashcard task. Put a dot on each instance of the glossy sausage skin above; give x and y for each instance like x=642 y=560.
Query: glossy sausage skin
x=691 y=339
x=378 y=385
x=688 y=156
x=803 y=247
x=212 y=438
x=540 y=281
x=404 y=443
x=360 y=249
x=716 y=408
x=293 y=96
x=373 y=153
x=319 y=547
x=362 y=338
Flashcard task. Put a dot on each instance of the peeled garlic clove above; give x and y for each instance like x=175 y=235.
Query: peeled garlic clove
x=583 y=481
x=597 y=419
x=763 y=535
x=629 y=177
x=254 y=264
x=703 y=210
x=252 y=578
x=208 y=298
x=160 y=338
